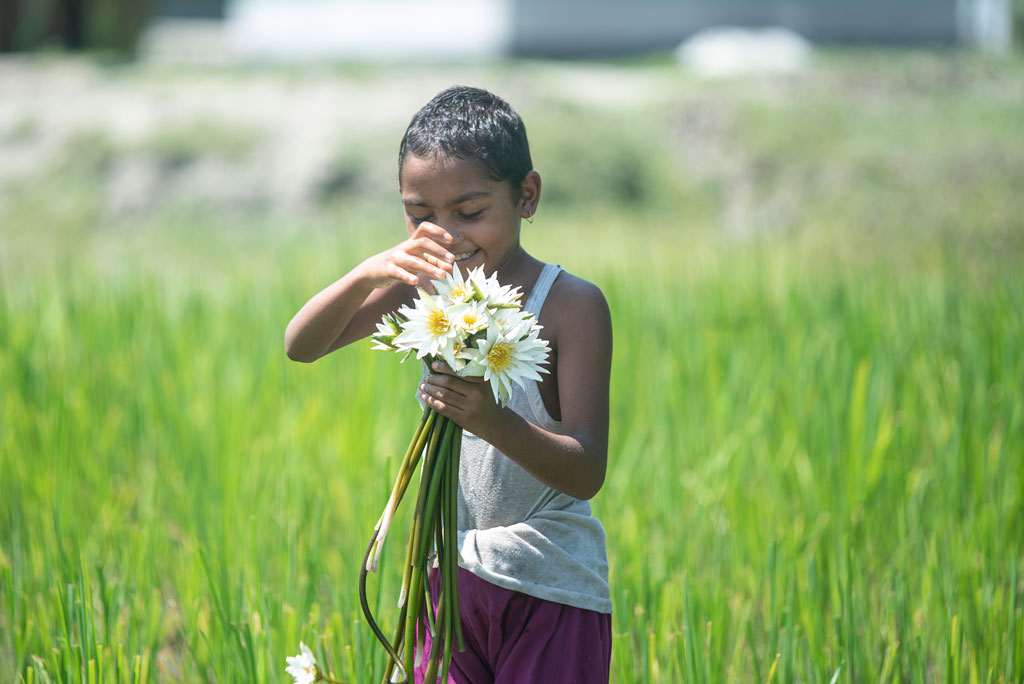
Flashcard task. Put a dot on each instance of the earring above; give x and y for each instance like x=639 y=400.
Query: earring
x=529 y=219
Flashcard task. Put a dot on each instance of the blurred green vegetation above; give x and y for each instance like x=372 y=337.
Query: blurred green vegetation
x=114 y=26
x=816 y=467
x=111 y=26
x=179 y=144
x=1018 y=23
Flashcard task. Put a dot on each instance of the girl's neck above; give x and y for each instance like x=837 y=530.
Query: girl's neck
x=520 y=270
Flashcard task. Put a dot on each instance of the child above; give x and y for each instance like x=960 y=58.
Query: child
x=533 y=581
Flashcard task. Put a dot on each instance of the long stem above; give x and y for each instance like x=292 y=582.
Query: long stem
x=451 y=551
x=396 y=645
x=435 y=646
x=373 y=623
x=405 y=471
x=411 y=618
x=428 y=603
x=424 y=428
x=437 y=442
x=403 y=594
x=441 y=633
x=428 y=465
x=420 y=528
x=325 y=678
x=427 y=436
x=453 y=530
x=430 y=510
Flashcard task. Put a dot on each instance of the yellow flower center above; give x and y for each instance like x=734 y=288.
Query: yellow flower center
x=437 y=323
x=499 y=358
x=458 y=292
x=469 y=319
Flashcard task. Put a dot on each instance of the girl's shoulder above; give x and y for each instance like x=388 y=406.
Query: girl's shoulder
x=575 y=306
x=569 y=289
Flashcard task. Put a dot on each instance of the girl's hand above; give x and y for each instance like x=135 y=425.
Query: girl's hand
x=422 y=256
x=467 y=401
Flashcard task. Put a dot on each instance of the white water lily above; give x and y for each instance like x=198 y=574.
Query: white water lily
x=387 y=330
x=511 y=319
x=303 y=667
x=453 y=288
x=504 y=357
x=496 y=295
x=456 y=354
x=470 y=318
x=427 y=328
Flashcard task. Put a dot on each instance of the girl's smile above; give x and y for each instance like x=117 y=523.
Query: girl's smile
x=462 y=258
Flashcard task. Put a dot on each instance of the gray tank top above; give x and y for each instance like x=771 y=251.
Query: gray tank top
x=518 y=533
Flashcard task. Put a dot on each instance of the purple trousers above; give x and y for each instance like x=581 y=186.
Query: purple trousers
x=513 y=638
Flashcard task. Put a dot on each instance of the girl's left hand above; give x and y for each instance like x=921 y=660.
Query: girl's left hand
x=467 y=401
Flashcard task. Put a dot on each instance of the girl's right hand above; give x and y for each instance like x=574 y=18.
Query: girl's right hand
x=421 y=256
x=348 y=309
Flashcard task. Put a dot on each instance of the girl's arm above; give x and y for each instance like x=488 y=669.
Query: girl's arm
x=574 y=462
x=349 y=309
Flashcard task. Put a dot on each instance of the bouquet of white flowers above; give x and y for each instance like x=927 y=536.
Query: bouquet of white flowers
x=479 y=329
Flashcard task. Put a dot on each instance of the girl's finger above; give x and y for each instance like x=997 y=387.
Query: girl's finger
x=443 y=264
x=447 y=410
x=438 y=386
x=416 y=265
x=440 y=404
x=442 y=367
x=396 y=272
x=425 y=246
x=434 y=231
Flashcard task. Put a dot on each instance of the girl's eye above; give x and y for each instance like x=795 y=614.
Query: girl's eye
x=416 y=220
x=470 y=217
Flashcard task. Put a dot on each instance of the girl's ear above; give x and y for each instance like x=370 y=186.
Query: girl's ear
x=529 y=195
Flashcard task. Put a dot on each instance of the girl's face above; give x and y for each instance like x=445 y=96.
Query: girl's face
x=482 y=214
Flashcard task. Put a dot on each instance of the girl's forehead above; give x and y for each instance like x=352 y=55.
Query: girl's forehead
x=438 y=173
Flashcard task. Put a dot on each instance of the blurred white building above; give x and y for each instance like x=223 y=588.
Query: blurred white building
x=300 y=30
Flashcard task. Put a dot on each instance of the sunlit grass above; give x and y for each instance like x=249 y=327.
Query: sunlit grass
x=816 y=469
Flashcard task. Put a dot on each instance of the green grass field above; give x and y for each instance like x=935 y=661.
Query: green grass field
x=817 y=443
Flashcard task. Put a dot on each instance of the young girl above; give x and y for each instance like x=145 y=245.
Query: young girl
x=533 y=581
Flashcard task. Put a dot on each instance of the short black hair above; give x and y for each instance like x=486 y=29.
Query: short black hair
x=470 y=123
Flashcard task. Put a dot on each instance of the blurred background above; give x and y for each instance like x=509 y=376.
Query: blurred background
x=806 y=216
x=567 y=28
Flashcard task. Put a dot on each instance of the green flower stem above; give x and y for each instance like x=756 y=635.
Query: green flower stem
x=440 y=635
x=428 y=606
x=430 y=522
x=405 y=471
x=450 y=558
x=421 y=528
x=453 y=531
x=415 y=599
x=406 y=676
x=397 y=645
x=423 y=431
x=321 y=677
x=430 y=442
x=430 y=507
x=429 y=463
x=413 y=455
x=438 y=442
x=443 y=551
x=439 y=549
